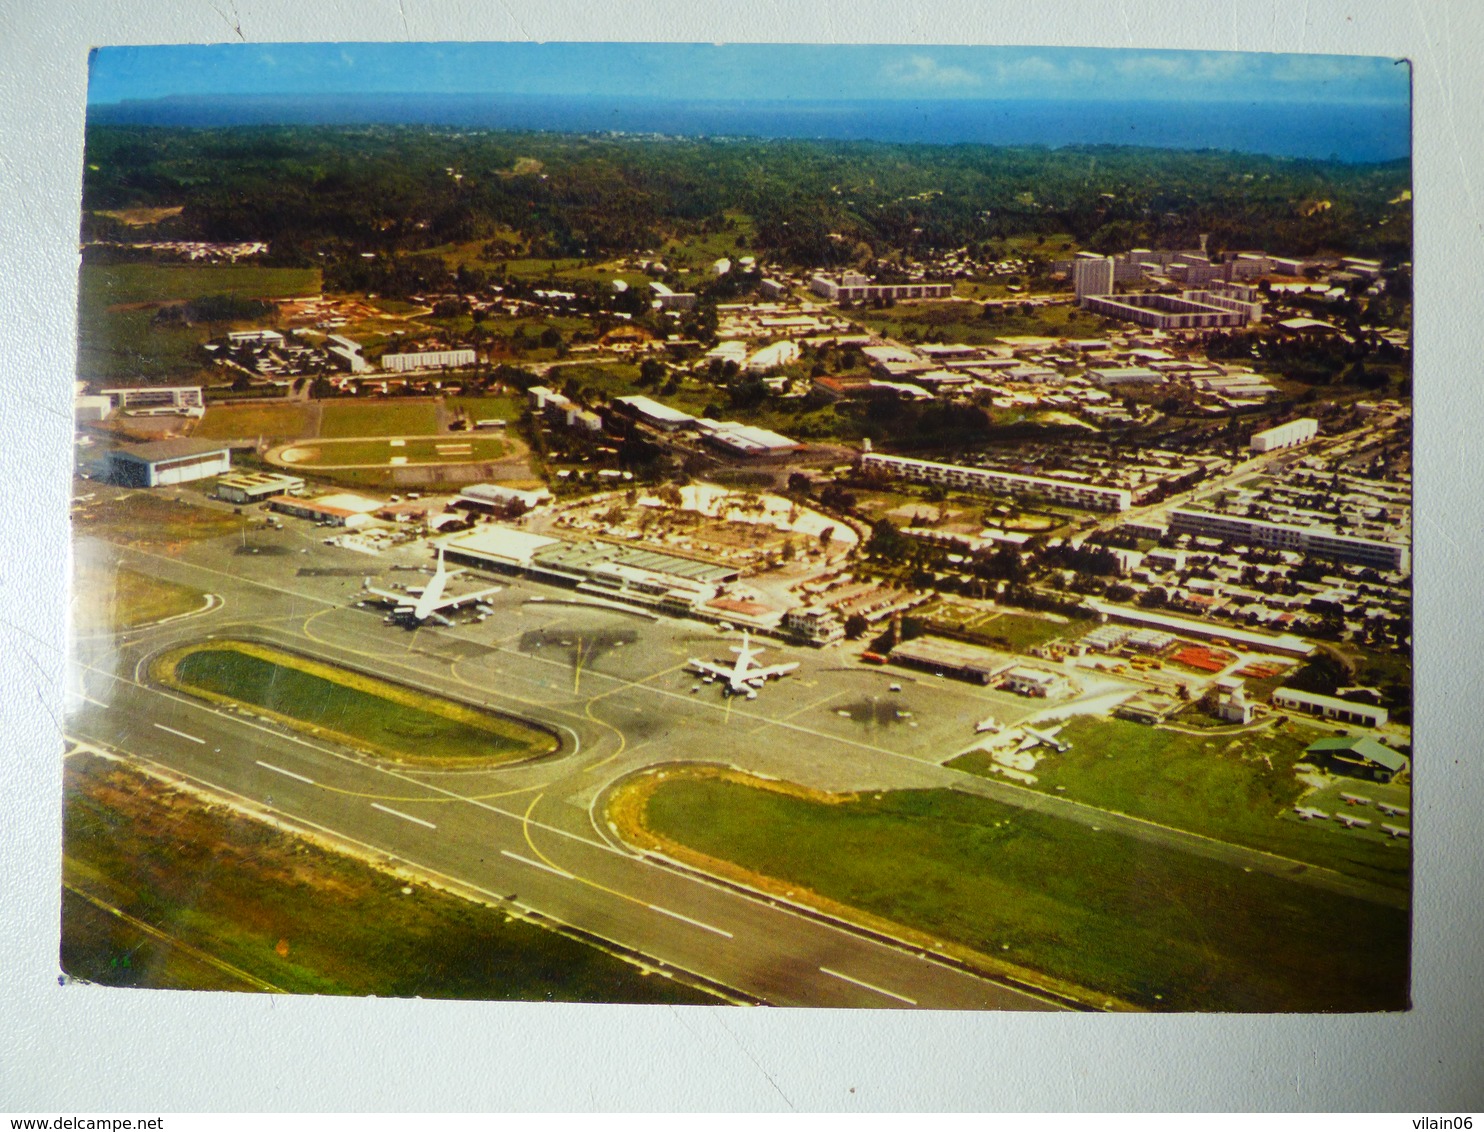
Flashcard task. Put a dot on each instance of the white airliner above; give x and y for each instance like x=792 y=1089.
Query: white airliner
x=427 y=602
x=745 y=675
x=1038 y=738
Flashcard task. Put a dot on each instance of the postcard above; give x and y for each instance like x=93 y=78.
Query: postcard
x=885 y=527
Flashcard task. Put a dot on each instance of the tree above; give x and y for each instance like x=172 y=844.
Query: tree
x=855 y=626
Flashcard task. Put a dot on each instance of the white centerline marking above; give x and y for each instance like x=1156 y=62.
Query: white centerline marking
x=400 y=814
x=285 y=773
x=537 y=864
x=182 y=734
x=868 y=986
x=688 y=920
x=89 y=699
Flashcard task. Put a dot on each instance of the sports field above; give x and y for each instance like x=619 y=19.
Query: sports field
x=387 y=719
x=455 y=448
x=1150 y=926
x=287 y=421
x=396 y=417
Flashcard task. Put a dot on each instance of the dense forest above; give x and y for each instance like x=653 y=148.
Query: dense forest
x=322 y=195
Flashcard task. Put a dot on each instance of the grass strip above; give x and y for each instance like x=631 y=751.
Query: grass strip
x=211 y=891
x=1235 y=787
x=351 y=708
x=1129 y=919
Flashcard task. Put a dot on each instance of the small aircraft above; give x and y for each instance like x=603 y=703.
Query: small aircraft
x=1390 y=810
x=988 y=723
x=1352 y=823
x=1307 y=813
x=1396 y=830
x=745 y=675
x=424 y=603
x=1355 y=799
x=1037 y=738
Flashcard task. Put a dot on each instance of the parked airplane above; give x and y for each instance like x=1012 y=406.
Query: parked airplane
x=1390 y=810
x=1352 y=823
x=1396 y=830
x=1355 y=799
x=744 y=676
x=1038 y=738
x=424 y=603
x=1305 y=813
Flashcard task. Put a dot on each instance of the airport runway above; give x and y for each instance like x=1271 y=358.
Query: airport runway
x=614 y=686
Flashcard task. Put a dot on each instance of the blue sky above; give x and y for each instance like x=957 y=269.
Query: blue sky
x=741 y=71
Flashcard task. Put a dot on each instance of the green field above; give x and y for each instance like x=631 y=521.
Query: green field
x=142 y=519
x=287 y=421
x=233 y=904
x=117 y=339
x=126 y=598
x=1154 y=927
x=1238 y=788
x=126 y=347
x=103 y=285
x=359 y=710
x=455 y=448
x=1014 y=631
x=379 y=418
x=506 y=408
x=963 y=322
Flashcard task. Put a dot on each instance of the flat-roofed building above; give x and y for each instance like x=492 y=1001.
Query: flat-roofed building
x=181 y=398
x=1081 y=495
x=1025 y=680
x=1323 y=542
x=1092 y=275
x=494 y=498
x=1328 y=707
x=1285 y=435
x=1165 y=312
x=428 y=359
x=817 y=625
x=342 y=509
x=166 y=462
x=852 y=285
x=746 y=440
x=654 y=414
x=953 y=658
x=255 y=338
x=255 y=487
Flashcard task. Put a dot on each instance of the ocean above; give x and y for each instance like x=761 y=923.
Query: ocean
x=1349 y=132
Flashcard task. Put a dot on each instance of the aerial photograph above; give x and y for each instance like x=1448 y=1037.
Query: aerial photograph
x=894 y=527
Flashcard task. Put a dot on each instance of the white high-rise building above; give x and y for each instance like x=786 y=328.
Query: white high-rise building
x=1092 y=275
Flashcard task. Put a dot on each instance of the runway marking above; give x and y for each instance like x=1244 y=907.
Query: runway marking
x=285 y=773
x=400 y=814
x=688 y=920
x=537 y=864
x=95 y=703
x=182 y=734
x=869 y=986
